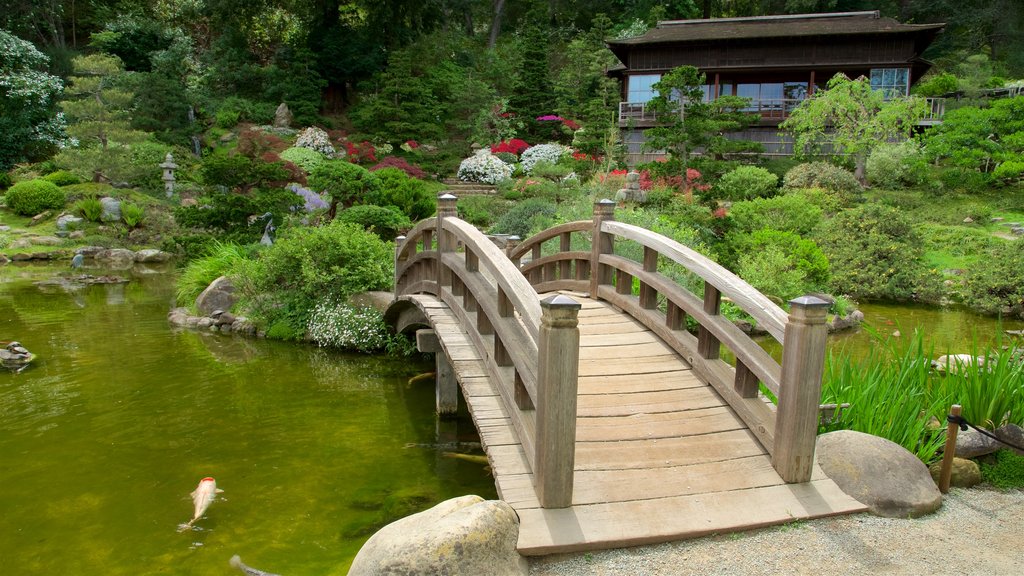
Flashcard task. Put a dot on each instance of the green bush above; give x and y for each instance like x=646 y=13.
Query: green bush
x=33 y=197
x=305 y=158
x=482 y=211
x=789 y=212
x=239 y=172
x=1008 y=171
x=346 y=182
x=801 y=254
x=5 y=180
x=526 y=217
x=822 y=175
x=413 y=197
x=385 y=222
x=308 y=265
x=63 y=178
x=348 y=327
x=995 y=284
x=89 y=208
x=897 y=165
x=231 y=213
x=233 y=110
x=746 y=182
x=829 y=202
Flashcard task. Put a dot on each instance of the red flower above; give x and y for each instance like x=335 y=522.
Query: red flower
x=412 y=144
x=570 y=124
x=720 y=212
x=513 y=146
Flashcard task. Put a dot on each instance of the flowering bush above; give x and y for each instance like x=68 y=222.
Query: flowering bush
x=348 y=327
x=402 y=164
x=513 y=146
x=311 y=200
x=360 y=153
x=542 y=152
x=484 y=167
x=305 y=158
x=315 y=139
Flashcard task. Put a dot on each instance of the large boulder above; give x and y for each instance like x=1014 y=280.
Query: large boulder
x=219 y=295
x=283 y=116
x=151 y=255
x=1012 y=434
x=879 y=473
x=115 y=257
x=965 y=473
x=111 y=209
x=465 y=535
x=971 y=444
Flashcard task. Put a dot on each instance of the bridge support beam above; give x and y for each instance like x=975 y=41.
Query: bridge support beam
x=447 y=389
x=557 y=381
x=803 y=365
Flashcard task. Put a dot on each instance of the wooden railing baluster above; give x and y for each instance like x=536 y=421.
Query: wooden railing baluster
x=648 y=295
x=602 y=243
x=565 y=266
x=707 y=344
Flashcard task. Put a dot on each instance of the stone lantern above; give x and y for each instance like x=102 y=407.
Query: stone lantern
x=169 y=166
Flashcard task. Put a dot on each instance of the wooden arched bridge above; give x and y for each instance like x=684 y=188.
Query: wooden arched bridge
x=606 y=422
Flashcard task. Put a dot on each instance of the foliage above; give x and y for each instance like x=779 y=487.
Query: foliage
x=989 y=387
x=63 y=178
x=29 y=121
x=746 y=182
x=235 y=171
x=402 y=164
x=822 y=175
x=896 y=165
x=132 y=215
x=315 y=139
x=255 y=143
x=550 y=153
x=995 y=283
x=782 y=264
x=305 y=158
x=411 y=196
x=346 y=183
x=789 y=213
x=219 y=259
x=979 y=138
x=687 y=122
x=935 y=85
x=482 y=211
x=311 y=264
x=311 y=201
x=525 y=217
x=891 y=394
x=852 y=118
x=90 y=208
x=484 y=167
x=236 y=217
x=514 y=146
x=401 y=103
x=1007 y=472
x=32 y=197
x=385 y=222
x=348 y=327
x=875 y=253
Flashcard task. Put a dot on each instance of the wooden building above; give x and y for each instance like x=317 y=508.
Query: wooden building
x=776 y=61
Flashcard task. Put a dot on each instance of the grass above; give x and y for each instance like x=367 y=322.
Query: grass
x=1007 y=471
x=221 y=258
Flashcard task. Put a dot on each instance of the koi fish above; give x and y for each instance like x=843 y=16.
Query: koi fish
x=202 y=497
x=236 y=562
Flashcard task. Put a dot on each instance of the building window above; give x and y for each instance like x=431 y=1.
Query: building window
x=891 y=82
x=641 y=87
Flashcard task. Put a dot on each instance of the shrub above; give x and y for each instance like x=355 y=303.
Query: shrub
x=896 y=165
x=132 y=215
x=804 y=264
x=233 y=110
x=829 y=202
x=32 y=197
x=345 y=182
x=772 y=273
x=305 y=158
x=746 y=182
x=90 y=208
x=525 y=217
x=5 y=180
x=995 y=284
x=385 y=222
x=542 y=152
x=348 y=327
x=822 y=175
x=230 y=213
x=237 y=171
x=311 y=201
x=484 y=167
x=1010 y=170
x=482 y=211
x=789 y=212
x=63 y=178
x=255 y=143
x=515 y=146
x=315 y=139
x=413 y=197
x=507 y=157
x=402 y=164
x=219 y=259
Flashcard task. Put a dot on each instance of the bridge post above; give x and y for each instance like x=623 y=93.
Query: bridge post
x=557 y=381
x=445 y=209
x=601 y=243
x=447 y=390
x=803 y=364
x=398 y=261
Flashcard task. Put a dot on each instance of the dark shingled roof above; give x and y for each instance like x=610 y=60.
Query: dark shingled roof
x=718 y=29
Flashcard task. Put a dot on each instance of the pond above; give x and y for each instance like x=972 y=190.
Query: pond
x=107 y=432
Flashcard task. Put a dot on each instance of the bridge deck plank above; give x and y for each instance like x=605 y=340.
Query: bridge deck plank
x=660 y=455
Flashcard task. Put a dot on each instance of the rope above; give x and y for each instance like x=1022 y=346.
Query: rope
x=963 y=423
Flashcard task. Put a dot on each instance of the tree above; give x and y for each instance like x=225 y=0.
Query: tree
x=29 y=121
x=853 y=119
x=686 y=122
x=346 y=183
x=979 y=138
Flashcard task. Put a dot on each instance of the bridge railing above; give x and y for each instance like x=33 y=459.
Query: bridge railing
x=787 y=431
x=530 y=348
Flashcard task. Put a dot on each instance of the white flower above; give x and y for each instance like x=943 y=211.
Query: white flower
x=315 y=139
x=542 y=152
x=484 y=167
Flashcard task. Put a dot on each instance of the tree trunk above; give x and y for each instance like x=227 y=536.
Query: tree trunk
x=499 y=8
x=859 y=171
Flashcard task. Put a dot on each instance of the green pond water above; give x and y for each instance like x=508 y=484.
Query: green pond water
x=104 y=436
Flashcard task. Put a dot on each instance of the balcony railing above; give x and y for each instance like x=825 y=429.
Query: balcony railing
x=638 y=114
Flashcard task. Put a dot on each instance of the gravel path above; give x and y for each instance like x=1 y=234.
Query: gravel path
x=977 y=531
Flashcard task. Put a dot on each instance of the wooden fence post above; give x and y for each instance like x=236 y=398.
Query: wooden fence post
x=445 y=209
x=946 y=472
x=803 y=364
x=601 y=243
x=557 y=375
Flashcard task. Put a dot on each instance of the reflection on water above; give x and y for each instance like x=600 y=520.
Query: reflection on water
x=104 y=436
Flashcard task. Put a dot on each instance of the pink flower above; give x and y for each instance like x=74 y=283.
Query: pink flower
x=548 y=118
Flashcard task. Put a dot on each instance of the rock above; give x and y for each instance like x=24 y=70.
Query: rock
x=111 y=209
x=5 y=228
x=77 y=235
x=4 y=259
x=46 y=241
x=228 y=137
x=14 y=356
x=968 y=220
x=966 y=473
x=971 y=444
x=69 y=222
x=956 y=363
x=89 y=251
x=376 y=300
x=219 y=295
x=189 y=202
x=283 y=116
x=465 y=535
x=121 y=185
x=997 y=219
x=151 y=255
x=879 y=473
x=115 y=256
x=1012 y=434
x=178 y=316
x=224 y=319
x=19 y=244
x=851 y=320
x=40 y=217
